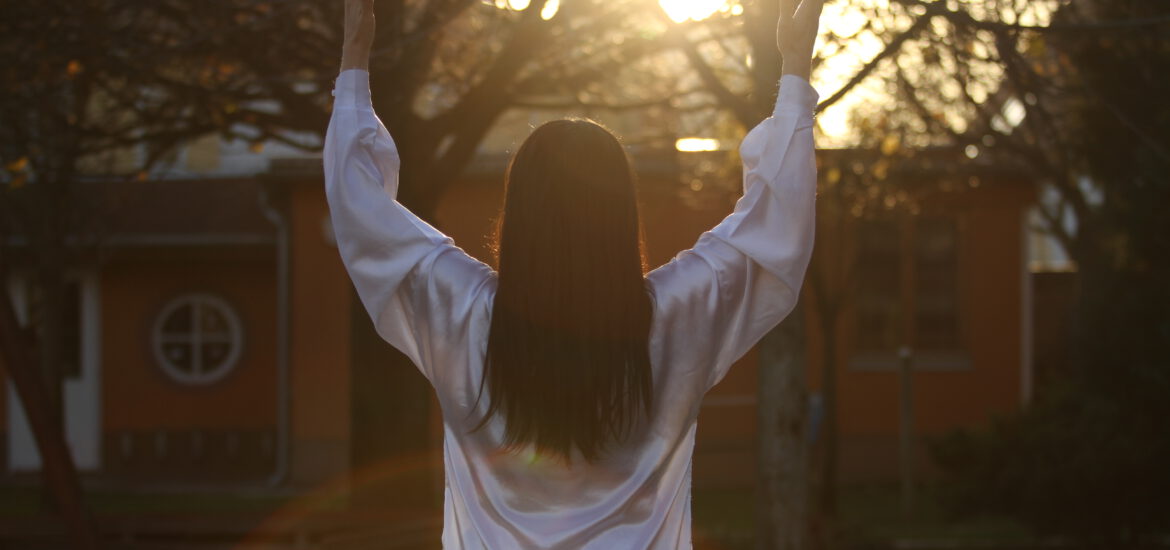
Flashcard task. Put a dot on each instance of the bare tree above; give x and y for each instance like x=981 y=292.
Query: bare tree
x=106 y=89
x=1071 y=93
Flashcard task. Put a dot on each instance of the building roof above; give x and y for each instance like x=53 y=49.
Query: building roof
x=183 y=207
x=175 y=212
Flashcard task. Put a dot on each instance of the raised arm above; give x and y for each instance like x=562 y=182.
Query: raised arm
x=417 y=286
x=358 y=36
x=744 y=276
x=796 y=34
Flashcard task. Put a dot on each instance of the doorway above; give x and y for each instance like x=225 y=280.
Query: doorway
x=81 y=373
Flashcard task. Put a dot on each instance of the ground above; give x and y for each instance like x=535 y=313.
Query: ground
x=723 y=520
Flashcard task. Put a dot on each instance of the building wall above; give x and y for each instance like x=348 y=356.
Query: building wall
x=154 y=425
x=991 y=268
x=139 y=399
x=672 y=220
x=3 y=416
x=992 y=271
x=320 y=352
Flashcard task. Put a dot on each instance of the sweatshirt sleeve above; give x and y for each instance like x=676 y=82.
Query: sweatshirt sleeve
x=744 y=275
x=416 y=285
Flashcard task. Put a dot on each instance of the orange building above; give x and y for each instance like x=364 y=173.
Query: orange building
x=220 y=342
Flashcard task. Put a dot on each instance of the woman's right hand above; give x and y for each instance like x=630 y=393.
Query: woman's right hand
x=796 y=34
x=358 y=35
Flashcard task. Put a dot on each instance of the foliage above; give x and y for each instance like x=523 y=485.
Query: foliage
x=106 y=89
x=1071 y=95
x=1089 y=457
x=1079 y=464
x=1071 y=92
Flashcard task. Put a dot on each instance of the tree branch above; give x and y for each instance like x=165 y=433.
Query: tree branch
x=890 y=49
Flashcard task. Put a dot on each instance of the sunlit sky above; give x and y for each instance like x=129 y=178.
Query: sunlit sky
x=832 y=74
x=835 y=71
x=838 y=18
x=841 y=19
x=696 y=10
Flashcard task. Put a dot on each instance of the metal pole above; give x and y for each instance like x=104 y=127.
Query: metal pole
x=282 y=445
x=906 y=428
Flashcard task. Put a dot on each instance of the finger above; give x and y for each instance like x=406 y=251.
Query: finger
x=809 y=11
x=359 y=7
x=787 y=7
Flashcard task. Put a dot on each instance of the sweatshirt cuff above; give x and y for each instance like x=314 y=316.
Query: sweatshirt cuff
x=352 y=89
x=796 y=95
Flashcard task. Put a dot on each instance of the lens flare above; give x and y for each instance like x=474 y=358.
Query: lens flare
x=693 y=144
x=695 y=10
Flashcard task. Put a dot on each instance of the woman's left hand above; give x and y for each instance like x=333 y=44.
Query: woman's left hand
x=796 y=34
x=359 y=34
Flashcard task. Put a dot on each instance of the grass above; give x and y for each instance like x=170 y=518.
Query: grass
x=872 y=514
x=723 y=518
x=869 y=515
x=26 y=502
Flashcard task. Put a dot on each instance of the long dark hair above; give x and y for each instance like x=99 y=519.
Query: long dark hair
x=567 y=357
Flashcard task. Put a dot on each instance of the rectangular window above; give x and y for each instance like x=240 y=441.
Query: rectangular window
x=908 y=287
x=70 y=345
x=936 y=278
x=71 y=335
x=879 y=286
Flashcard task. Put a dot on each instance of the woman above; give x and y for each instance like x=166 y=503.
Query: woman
x=570 y=381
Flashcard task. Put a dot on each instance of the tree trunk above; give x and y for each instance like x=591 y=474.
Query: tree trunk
x=57 y=469
x=49 y=322
x=782 y=409
x=828 y=485
x=390 y=410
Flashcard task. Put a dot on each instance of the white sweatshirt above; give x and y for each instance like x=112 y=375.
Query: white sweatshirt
x=712 y=303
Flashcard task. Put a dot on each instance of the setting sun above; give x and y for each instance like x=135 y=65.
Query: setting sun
x=695 y=10
x=694 y=144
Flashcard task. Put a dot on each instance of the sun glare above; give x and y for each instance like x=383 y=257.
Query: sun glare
x=550 y=9
x=692 y=144
x=547 y=12
x=837 y=68
x=695 y=10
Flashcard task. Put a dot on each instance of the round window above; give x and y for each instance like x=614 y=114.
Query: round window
x=197 y=338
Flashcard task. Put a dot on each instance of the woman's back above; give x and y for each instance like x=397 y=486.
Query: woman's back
x=711 y=304
x=498 y=498
x=435 y=303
